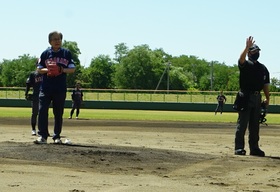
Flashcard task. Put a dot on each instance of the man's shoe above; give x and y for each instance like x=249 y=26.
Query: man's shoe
x=57 y=141
x=69 y=117
x=33 y=132
x=240 y=152
x=40 y=140
x=257 y=152
x=77 y=117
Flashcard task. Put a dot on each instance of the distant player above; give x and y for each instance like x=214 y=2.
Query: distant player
x=221 y=100
x=77 y=99
x=34 y=80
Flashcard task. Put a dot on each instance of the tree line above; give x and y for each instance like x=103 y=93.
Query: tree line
x=136 y=68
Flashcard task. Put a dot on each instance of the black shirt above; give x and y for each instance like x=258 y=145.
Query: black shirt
x=253 y=76
x=77 y=95
x=34 y=80
x=221 y=98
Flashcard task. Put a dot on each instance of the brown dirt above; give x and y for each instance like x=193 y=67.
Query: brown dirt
x=135 y=156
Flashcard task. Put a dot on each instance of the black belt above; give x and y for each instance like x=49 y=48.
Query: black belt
x=252 y=92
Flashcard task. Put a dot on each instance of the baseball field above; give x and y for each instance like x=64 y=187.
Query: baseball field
x=122 y=150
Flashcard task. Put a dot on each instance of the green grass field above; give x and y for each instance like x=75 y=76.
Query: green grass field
x=143 y=115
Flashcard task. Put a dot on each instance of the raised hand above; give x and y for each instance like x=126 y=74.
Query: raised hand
x=249 y=42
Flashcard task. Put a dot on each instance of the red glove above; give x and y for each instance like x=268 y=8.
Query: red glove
x=53 y=69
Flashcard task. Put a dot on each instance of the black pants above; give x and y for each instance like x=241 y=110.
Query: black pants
x=75 y=105
x=220 y=107
x=249 y=118
x=35 y=110
x=58 y=101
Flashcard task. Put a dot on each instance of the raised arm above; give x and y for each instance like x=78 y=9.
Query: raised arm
x=249 y=42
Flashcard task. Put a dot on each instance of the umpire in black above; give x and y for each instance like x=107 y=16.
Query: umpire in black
x=254 y=77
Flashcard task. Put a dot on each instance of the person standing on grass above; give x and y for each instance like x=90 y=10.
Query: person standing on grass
x=77 y=99
x=221 y=100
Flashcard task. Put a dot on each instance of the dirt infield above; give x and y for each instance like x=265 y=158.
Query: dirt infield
x=135 y=156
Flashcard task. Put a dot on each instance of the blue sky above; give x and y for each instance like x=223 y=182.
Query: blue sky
x=213 y=30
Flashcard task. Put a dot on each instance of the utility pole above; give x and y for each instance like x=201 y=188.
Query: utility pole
x=166 y=70
x=211 y=75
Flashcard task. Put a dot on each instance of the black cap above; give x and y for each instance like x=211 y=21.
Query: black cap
x=37 y=62
x=254 y=47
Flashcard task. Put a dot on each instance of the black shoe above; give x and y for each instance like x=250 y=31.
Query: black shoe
x=240 y=152
x=257 y=152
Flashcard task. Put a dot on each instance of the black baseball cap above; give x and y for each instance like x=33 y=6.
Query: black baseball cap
x=254 y=47
x=37 y=62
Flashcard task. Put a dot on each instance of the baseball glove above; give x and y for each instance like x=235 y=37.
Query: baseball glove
x=54 y=70
x=262 y=119
x=29 y=97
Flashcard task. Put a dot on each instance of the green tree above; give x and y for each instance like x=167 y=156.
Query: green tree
x=274 y=85
x=180 y=79
x=221 y=76
x=15 y=72
x=139 y=69
x=121 y=51
x=232 y=83
x=75 y=51
x=85 y=77
x=100 y=72
x=204 y=83
x=196 y=69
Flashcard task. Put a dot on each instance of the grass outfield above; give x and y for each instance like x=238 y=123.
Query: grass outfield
x=144 y=115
